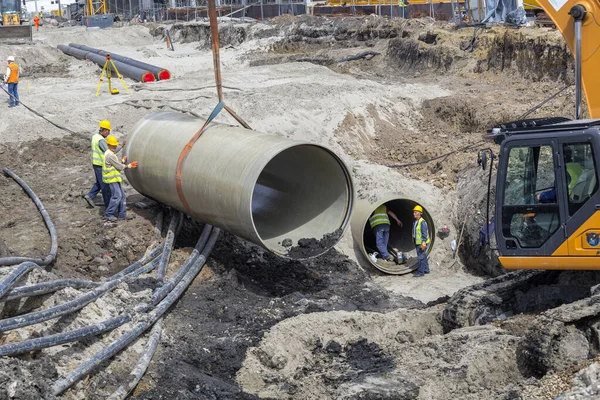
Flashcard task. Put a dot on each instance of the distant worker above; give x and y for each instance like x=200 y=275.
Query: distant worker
x=36 y=20
x=111 y=176
x=12 y=80
x=380 y=224
x=99 y=147
x=421 y=239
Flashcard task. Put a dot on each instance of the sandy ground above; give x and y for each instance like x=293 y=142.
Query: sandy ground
x=252 y=324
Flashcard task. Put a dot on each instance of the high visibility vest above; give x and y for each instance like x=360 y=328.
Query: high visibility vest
x=417 y=234
x=574 y=170
x=97 y=153
x=110 y=174
x=379 y=217
x=14 y=73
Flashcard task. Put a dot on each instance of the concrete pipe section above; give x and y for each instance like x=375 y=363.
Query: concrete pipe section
x=267 y=189
x=400 y=238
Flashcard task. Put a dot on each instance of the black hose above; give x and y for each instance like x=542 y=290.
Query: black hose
x=53 y=237
x=47 y=287
x=14 y=275
x=162 y=291
x=70 y=306
x=159 y=224
x=147 y=257
x=136 y=375
x=65 y=337
x=166 y=254
x=87 y=366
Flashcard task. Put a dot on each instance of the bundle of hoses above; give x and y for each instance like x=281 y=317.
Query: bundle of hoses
x=149 y=314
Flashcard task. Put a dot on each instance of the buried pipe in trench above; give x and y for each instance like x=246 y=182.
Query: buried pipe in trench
x=264 y=188
x=400 y=237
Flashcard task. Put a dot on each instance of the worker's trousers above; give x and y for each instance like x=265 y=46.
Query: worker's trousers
x=423 y=262
x=382 y=236
x=99 y=186
x=118 y=202
x=13 y=94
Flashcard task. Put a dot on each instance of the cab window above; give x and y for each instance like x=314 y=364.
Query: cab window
x=580 y=174
x=530 y=208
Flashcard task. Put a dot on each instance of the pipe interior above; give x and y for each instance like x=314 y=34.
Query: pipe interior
x=303 y=192
x=400 y=238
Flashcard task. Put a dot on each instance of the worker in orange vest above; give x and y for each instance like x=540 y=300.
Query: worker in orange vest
x=36 y=20
x=12 y=79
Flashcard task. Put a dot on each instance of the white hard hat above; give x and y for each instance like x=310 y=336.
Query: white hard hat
x=11 y=58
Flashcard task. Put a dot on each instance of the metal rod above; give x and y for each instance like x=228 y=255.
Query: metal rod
x=578 y=24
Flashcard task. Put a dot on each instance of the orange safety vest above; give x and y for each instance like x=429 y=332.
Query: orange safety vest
x=14 y=73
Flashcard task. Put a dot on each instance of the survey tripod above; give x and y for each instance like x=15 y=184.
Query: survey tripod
x=107 y=69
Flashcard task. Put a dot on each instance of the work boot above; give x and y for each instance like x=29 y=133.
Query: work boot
x=112 y=218
x=89 y=201
x=127 y=218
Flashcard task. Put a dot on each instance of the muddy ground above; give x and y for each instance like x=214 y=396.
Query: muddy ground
x=253 y=325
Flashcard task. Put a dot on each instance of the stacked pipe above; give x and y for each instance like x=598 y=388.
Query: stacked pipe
x=150 y=315
x=130 y=71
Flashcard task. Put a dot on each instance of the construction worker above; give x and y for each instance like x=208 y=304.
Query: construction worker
x=421 y=239
x=12 y=80
x=36 y=21
x=99 y=147
x=111 y=176
x=380 y=224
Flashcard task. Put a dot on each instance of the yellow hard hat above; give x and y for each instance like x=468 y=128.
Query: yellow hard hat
x=105 y=124
x=112 y=141
x=418 y=208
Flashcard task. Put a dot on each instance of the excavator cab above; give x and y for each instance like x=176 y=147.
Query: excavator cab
x=547 y=197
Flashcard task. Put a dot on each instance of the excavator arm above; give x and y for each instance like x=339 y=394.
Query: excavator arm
x=560 y=13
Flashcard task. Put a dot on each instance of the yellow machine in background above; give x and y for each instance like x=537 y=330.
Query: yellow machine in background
x=11 y=12
x=11 y=19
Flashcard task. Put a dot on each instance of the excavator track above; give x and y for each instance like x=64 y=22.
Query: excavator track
x=567 y=330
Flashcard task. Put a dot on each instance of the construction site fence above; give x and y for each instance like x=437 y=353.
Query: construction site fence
x=438 y=11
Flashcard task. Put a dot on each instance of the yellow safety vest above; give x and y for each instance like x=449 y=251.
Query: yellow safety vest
x=417 y=235
x=110 y=174
x=14 y=73
x=97 y=153
x=379 y=217
x=574 y=170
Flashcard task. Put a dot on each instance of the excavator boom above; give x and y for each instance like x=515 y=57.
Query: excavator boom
x=559 y=12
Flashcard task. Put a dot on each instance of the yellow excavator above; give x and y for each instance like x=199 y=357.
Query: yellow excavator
x=547 y=197
x=11 y=12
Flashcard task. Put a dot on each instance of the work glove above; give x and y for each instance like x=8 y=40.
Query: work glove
x=423 y=246
x=124 y=160
x=133 y=164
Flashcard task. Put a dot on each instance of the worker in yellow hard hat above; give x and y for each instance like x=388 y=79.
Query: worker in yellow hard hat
x=99 y=147
x=111 y=176
x=421 y=239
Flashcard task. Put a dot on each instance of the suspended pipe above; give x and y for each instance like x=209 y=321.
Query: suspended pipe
x=87 y=366
x=14 y=275
x=159 y=73
x=70 y=306
x=176 y=218
x=138 y=372
x=53 y=237
x=400 y=237
x=261 y=187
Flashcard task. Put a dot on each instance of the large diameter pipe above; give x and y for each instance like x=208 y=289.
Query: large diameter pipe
x=267 y=189
x=160 y=73
x=124 y=69
x=400 y=241
x=71 y=51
